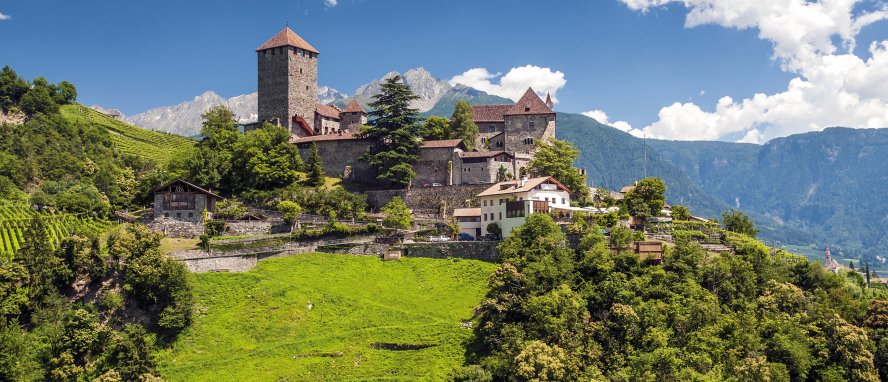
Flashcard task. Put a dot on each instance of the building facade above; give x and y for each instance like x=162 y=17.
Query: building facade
x=183 y=201
x=508 y=204
x=287 y=92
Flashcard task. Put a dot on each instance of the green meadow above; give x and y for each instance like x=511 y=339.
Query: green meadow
x=325 y=317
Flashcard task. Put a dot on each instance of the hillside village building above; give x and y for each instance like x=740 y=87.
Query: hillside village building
x=180 y=200
x=508 y=204
x=287 y=92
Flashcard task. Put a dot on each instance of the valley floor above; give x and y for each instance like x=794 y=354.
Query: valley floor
x=329 y=317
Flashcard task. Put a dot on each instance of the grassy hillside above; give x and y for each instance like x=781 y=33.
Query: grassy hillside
x=256 y=326
x=130 y=139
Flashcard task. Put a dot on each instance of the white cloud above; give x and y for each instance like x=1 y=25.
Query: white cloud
x=513 y=84
x=4 y=16
x=601 y=117
x=832 y=87
x=331 y=3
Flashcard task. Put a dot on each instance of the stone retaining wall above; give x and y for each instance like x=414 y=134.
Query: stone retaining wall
x=427 y=199
x=263 y=227
x=475 y=250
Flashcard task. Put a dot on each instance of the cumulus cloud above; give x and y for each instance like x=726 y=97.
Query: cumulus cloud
x=331 y=3
x=513 y=84
x=601 y=116
x=4 y=16
x=815 y=41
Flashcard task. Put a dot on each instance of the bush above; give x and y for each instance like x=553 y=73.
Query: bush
x=397 y=215
x=230 y=208
x=214 y=228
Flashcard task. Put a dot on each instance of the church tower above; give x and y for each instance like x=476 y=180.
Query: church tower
x=288 y=82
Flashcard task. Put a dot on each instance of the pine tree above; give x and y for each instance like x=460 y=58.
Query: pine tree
x=395 y=131
x=315 y=167
x=462 y=124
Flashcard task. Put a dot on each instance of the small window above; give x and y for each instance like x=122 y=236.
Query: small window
x=191 y=214
x=563 y=201
x=300 y=70
x=491 y=129
x=530 y=124
x=178 y=215
x=166 y=215
x=500 y=216
x=527 y=108
x=485 y=217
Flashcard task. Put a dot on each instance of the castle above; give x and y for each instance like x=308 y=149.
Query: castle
x=287 y=91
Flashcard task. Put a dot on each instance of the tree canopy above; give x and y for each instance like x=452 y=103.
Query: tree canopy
x=462 y=124
x=647 y=198
x=736 y=221
x=555 y=158
x=397 y=215
x=394 y=129
x=558 y=314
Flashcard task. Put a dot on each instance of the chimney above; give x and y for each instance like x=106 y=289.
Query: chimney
x=523 y=181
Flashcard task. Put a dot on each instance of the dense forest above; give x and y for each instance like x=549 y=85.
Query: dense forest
x=558 y=314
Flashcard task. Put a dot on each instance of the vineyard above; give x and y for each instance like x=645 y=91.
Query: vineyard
x=130 y=139
x=15 y=218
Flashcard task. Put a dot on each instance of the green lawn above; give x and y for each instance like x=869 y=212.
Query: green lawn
x=256 y=326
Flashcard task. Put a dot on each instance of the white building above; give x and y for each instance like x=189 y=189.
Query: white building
x=469 y=220
x=509 y=203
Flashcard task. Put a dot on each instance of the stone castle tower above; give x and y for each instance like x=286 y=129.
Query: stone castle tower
x=288 y=82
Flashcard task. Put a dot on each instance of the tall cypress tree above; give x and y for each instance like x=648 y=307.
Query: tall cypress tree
x=395 y=131
x=462 y=124
x=315 y=168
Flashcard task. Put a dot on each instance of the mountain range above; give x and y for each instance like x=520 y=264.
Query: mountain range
x=814 y=189
x=184 y=118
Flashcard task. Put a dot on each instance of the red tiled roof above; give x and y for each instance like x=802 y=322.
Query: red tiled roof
x=354 y=107
x=483 y=154
x=324 y=137
x=489 y=113
x=287 y=37
x=297 y=119
x=530 y=103
x=328 y=111
x=444 y=143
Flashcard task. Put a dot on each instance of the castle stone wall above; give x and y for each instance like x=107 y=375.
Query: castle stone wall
x=287 y=85
x=336 y=155
x=518 y=129
x=434 y=166
x=351 y=122
x=428 y=199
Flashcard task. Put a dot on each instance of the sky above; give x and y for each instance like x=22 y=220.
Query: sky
x=727 y=70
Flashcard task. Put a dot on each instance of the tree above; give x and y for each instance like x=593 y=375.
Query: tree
x=39 y=100
x=12 y=88
x=315 y=167
x=647 y=198
x=680 y=212
x=230 y=208
x=737 y=221
x=503 y=174
x=462 y=124
x=555 y=158
x=397 y=215
x=65 y=93
x=494 y=229
x=291 y=211
x=219 y=129
x=394 y=130
x=436 y=128
x=620 y=237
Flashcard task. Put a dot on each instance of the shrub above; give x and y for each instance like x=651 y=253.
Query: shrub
x=214 y=228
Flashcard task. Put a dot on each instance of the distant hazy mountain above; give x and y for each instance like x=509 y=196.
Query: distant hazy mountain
x=184 y=118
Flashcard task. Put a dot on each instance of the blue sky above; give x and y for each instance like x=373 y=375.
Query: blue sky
x=628 y=60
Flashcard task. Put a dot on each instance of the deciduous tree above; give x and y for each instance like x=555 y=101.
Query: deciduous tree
x=462 y=124
x=555 y=158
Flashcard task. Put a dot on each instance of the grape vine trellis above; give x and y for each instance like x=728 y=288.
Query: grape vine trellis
x=15 y=218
